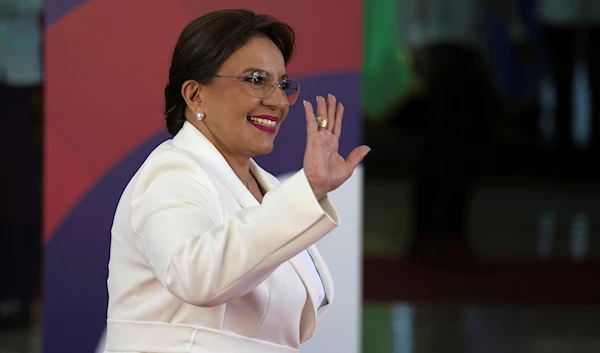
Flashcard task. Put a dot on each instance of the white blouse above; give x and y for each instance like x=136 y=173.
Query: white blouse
x=306 y=256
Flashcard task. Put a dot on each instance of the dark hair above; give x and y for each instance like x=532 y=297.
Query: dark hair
x=207 y=42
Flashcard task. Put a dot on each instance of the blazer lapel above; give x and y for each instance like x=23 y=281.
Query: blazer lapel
x=192 y=140
x=261 y=176
x=325 y=275
x=309 y=314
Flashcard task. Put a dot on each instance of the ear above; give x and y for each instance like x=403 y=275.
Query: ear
x=190 y=90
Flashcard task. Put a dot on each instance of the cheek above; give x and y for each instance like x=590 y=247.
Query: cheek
x=241 y=103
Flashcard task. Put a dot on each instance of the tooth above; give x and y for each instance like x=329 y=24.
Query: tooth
x=263 y=122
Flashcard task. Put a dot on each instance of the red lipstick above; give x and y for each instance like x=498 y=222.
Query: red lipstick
x=268 y=117
x=265 y=123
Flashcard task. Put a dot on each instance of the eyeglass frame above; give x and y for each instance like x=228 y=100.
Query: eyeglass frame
x=276 y=83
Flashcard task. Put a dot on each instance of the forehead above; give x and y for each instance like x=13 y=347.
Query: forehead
x=258 y=52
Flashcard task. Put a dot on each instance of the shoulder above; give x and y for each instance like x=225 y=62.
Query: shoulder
x=175 y=166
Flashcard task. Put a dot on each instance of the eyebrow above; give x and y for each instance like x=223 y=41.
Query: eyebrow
x=248 y=69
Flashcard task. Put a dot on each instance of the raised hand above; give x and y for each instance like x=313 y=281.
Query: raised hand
x=324 y=167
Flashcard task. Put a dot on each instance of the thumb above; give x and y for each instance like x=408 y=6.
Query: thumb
x=357 y=155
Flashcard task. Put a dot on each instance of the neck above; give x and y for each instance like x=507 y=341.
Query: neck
x=239 y=164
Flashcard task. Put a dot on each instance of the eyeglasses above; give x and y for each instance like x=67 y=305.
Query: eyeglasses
x=263 y=88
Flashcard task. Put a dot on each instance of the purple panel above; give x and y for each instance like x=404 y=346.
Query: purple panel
x=75 y=271
x=57 y=9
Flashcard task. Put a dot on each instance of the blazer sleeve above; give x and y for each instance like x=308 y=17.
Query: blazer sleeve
x=177 y=220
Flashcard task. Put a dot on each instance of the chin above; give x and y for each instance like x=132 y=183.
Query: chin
x=264 y=149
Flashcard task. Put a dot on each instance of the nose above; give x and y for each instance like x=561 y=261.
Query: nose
x=277 y=99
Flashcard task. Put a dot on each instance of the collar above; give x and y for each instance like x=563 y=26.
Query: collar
x=192 y=140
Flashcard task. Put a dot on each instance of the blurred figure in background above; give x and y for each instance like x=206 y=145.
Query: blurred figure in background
x=449 y=41
x=571 y=31
x=20 y=157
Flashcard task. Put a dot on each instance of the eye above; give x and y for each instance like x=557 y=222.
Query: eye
x=284 y=84
x=256 y=78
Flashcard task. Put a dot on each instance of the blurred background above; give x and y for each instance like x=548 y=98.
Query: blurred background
x=481 y=194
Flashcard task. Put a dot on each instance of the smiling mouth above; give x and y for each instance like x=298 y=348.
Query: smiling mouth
x=263 y=122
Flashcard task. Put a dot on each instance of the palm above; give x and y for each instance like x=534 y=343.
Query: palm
x=325 y=168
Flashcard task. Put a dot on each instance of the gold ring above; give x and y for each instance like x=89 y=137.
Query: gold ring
x=321 y=122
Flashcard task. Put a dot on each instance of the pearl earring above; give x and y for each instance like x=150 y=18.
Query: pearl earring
x=200 y=116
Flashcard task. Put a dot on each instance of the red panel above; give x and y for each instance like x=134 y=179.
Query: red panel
x=328 y=38
x=67 y=177
x=105 y=74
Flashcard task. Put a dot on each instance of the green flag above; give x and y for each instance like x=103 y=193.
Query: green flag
x=387 y=75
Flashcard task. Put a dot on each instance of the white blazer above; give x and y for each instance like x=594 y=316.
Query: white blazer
x=198 y=265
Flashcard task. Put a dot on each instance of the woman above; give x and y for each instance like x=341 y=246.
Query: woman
x=209 y=253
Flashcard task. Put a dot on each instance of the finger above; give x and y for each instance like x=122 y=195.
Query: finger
x=339 y=115
x=331 y=106
x=322 y=108
x=357 y=155
x=311 y=122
